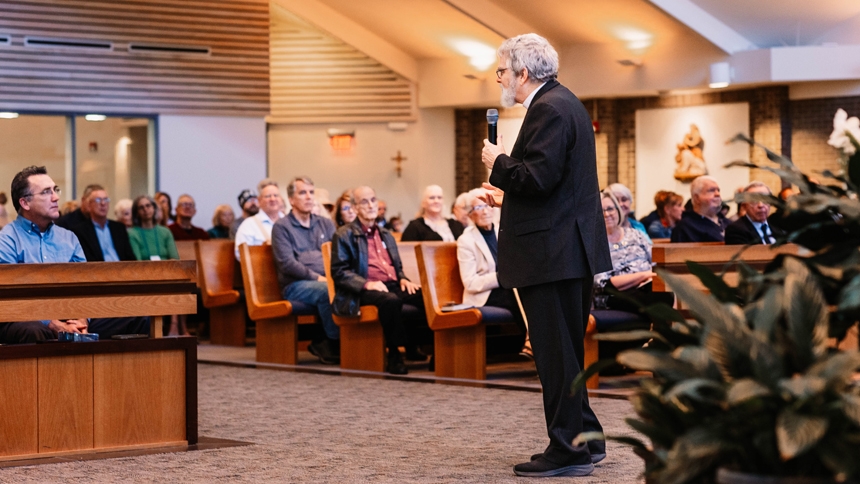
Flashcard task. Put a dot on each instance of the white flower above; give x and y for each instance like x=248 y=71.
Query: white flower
x=844 y=128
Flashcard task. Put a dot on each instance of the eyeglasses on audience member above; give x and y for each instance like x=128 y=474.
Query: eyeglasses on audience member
x=45 y=193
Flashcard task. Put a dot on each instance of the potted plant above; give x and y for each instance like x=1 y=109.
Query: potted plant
x=753 y=389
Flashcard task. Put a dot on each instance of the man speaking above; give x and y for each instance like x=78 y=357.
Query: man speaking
x=551 y=240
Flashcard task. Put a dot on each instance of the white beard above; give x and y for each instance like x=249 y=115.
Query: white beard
x=509 y=94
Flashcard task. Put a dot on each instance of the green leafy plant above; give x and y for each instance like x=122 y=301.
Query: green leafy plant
x=753 y=382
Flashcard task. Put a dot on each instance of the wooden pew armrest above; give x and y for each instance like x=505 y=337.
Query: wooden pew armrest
x=455 y=319
x=217 y=299
x=369 y=315
x=277 y=309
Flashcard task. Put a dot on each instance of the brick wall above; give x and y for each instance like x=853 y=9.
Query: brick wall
x=797 y=129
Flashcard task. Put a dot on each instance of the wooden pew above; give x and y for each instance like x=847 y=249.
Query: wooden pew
x=277 y=334
x=216 y=264
x=362 y=344
x=69 y=398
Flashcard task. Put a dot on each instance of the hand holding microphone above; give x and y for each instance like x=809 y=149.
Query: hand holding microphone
x=491 y=148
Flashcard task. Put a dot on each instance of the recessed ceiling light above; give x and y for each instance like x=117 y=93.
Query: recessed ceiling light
x=95 y=117
x=7 y=115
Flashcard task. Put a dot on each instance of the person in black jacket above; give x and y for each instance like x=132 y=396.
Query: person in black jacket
x=753 y=227
x=102 y=239
x=431 y=224
x=552 y=240
x=366 y=269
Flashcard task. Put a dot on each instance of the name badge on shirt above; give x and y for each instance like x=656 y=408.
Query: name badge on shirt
x=154 y=257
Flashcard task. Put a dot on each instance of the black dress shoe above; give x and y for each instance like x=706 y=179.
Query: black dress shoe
x=541 y=467
x=395 y=363
x=595 y=456
x=415 y=354
x=323 y=351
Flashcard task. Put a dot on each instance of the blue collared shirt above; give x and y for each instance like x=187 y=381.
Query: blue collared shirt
x=106 y=243
x=21 y=242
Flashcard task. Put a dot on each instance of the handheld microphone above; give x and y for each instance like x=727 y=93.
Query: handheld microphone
x=492 y=120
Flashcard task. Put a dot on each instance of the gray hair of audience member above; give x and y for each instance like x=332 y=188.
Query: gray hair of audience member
x=424 y=196
x=124 y=204
x=266 y=182
x=532 y=53
x=462 y=200
x=472 y=198
x=757 y=184
x=21 y=184
x=698 y=184
x=351 y=193
x=607 y=193
x=291 y=188
x=216 y=217
x=622 y=189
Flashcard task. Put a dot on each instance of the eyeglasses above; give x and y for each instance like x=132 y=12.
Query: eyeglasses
x=481 y=207
x=145 y=205
x=186 y=204
x=271 y=196
x=366 y=202
x=101 y=200
x=345 y=208
x=501 y=71
x=45 y=193
x=609 y=211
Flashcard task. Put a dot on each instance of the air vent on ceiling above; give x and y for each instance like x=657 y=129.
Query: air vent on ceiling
x=5 y=39
x=67 y=43
x=169 y=49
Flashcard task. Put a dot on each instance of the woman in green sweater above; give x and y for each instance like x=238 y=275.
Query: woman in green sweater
x=149 y=240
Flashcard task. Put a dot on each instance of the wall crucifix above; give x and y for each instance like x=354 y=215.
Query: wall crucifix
x=399 y=159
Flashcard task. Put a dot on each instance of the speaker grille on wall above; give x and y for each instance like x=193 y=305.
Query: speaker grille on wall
x=169 y=49
x=67 y=43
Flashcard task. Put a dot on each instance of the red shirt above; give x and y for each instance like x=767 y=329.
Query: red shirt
x=379 y=265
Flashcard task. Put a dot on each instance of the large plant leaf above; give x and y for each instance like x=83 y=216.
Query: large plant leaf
x=849 y=296
x=700 y=359
x=696 y=389
x=797 y=433
x=837 y=369
x=693 y=454
x=718 y=287
x=806 y=313
x=803 y=387
x=851 y=407
x=634 y=335
x=593 y=369
x=658 y=363
x=764 y=313
x=660 y=435
x=746 y=389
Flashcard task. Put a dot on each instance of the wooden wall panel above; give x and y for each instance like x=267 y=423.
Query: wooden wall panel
x=19 y=423
x=232 y=78
x=139 y=398
x=317 y=78
x=66 y=426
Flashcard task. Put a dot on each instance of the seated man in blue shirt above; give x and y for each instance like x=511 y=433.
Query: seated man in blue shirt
x=33 y=238
x=705 y=223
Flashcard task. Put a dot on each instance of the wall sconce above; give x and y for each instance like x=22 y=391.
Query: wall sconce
x=340 y=139
x=721 y=75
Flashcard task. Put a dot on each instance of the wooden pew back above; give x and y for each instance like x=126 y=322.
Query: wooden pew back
x=410 y=263
x=216 y=264
x=262 y=293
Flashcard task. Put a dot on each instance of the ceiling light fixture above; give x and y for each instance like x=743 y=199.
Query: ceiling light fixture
x=636 y=40
x=721 y=75
x=95 y=117
x=481 y=56
x=8 y=115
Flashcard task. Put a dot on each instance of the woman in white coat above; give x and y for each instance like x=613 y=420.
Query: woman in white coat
x=477 y=254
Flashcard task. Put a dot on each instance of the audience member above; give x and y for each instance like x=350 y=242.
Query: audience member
x=395 y=224
x=431 y=224
x=33 y=238
x=654 y=216
x=122 y=212
x=625 y=199
x=344 y=210
x=322 y=204
x=103 y=240
x=670 y=206
x=4 y=216
x=460 y=209
x=80 y=214
x=222 y=220
x=478 y=257
x=296 y=245
x=182 y=229
x=631 y=272
x=165 y=203
x=366 y=269
x=69 y=207
x=383 y=208
x=257 y=230
x=149 y=241
x=704 y=223
x=753 y=227
x=250 y=205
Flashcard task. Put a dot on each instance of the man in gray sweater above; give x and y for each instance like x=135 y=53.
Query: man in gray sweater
x=296 y=244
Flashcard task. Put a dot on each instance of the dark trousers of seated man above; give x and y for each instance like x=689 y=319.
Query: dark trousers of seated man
x=505 y=298
x=398 y=331
x=33 y=331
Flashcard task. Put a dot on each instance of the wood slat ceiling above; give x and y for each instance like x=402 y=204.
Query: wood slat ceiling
x=316 y=78
x=232 y=79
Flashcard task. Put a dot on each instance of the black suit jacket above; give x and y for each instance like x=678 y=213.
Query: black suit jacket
x=69 y=220
x=742 y=232
x=86 y=232
x=419 y=231
x=551 y=226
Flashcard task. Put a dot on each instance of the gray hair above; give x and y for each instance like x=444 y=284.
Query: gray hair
x=532 y=53
x=622 y=189
x=757 y=184
x=291 y=188
x=471 y=196
x=124 y=204
x=462 y=200
x=699 y=183
x=266 y=182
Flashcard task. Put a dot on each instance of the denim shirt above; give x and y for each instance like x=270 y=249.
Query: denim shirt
x=21 y=242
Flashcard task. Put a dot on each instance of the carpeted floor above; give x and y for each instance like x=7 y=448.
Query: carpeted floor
x=323 y=428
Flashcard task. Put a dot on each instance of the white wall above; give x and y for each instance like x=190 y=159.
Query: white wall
x=428 y=144
x=211 y=158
